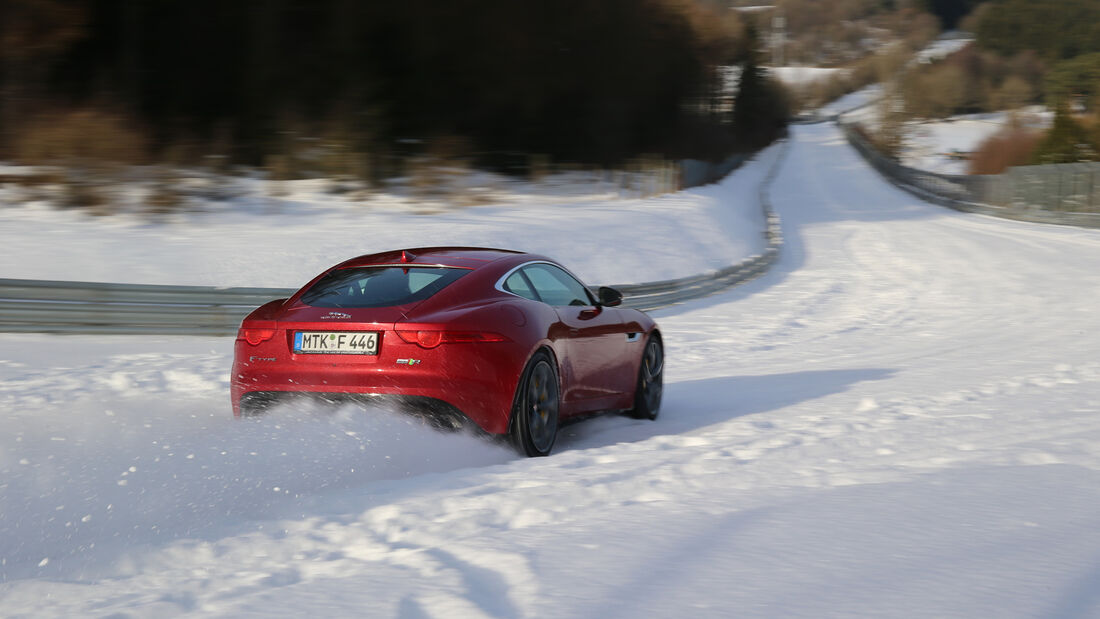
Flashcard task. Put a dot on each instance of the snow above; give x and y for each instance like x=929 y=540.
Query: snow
x=801 y=76
x=928 y=145
x=258 y=239
x=861 y=99
x=901 y=419
x=946 y=44
x=753 y=9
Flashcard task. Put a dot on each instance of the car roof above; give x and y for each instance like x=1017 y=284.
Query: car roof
x=463 y=257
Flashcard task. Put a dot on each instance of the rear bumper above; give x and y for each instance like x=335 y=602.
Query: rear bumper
x=477 y=380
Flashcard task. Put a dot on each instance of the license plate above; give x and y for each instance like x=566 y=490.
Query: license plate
x=336 y=342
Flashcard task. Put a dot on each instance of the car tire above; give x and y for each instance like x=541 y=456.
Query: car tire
x=650 y=386
x=535 y=411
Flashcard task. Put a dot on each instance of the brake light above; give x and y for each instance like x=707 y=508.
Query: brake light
x=431 y=339
x=256 y=336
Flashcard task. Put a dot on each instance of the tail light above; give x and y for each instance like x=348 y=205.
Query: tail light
x=256 y=336
x=431 y=339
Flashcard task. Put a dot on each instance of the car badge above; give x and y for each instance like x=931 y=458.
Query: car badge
x=408 y=361
x=335 y=316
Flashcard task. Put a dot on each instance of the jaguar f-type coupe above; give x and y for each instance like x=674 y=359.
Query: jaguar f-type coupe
x=511 y=341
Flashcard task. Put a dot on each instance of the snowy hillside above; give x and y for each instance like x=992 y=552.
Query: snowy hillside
x=257 y=239
x=902 y=419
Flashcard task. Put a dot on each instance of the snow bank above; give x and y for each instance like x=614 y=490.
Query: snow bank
x=257 y=240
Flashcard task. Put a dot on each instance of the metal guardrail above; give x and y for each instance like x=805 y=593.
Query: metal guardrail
x=89 y=307
x=83 y=307
x=1003 y=195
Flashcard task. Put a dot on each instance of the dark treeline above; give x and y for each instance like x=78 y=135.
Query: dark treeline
x=579 y=80
x=1055 y=29
x=950 y=12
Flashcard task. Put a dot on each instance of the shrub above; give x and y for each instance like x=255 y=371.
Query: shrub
x=1014 y=146
x=936 y=93
x=889 y=136
x=79 y=136
x=1057 y=29
x=972 y=80
x=1014 y=93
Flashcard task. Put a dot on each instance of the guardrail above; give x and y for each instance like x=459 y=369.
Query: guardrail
x=1003 y=195
x=84 y=307
x=88 y=307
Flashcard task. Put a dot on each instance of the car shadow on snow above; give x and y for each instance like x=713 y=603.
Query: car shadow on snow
x=695 y=404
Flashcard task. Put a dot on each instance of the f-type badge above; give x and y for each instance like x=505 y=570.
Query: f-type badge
x=335 y=316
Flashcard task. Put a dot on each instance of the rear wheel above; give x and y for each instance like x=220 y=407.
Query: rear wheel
x=535 y=413
x=651 y=386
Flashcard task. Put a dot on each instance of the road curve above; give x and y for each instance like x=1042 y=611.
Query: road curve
x=902 y=418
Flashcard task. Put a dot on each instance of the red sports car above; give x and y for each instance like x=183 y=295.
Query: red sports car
x=512 y=341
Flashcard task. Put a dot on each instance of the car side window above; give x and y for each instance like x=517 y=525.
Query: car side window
x=556 y=287
x=517 y=284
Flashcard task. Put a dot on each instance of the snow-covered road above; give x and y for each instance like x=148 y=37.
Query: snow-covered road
x=902 y=419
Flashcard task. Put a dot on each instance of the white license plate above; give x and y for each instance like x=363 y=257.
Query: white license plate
x=336 y=342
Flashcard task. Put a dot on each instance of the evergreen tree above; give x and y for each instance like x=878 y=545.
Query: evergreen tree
x=1066 y=142
x=1077 y=77
x=761 y=106
x=950 y=11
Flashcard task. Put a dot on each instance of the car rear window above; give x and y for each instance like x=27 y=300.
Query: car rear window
x=379 y=286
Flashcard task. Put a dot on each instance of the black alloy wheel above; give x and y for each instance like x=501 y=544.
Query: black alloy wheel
x=647 y=395
x=535 y=414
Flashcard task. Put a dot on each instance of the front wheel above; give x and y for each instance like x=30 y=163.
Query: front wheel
x=535 y=412
x=650 y=387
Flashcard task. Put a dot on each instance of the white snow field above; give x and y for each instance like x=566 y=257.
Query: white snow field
x=257 y=239
x=901 y=419
x=801 y=76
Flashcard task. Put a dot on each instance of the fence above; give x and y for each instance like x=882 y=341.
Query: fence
x=1064 y=194
x=1069 y=187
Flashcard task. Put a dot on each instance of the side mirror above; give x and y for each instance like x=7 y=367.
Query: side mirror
x=609 y=297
